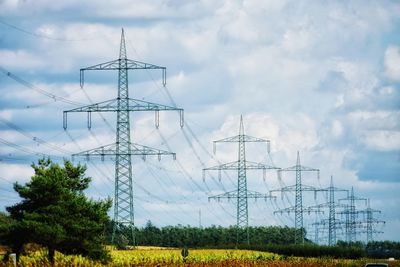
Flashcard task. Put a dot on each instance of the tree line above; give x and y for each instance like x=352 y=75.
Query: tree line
x=213 y=236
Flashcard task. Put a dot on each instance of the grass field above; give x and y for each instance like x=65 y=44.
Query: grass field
x=151 y=256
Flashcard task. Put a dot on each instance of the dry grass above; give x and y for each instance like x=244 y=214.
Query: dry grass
x=163 y=257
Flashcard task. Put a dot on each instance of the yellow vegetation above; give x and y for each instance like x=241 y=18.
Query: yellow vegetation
x=153 y=256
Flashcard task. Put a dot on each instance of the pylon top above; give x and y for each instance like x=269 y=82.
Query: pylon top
x=122 y=49
x=298 y=159
x=241 y=130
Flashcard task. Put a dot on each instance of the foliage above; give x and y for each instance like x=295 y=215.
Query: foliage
x=383 y=249
x=214 y=236
x=55 y=213
x=5 y=223
x=121 y=242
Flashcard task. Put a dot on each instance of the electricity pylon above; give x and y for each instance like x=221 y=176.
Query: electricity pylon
x=123 y=148
x=370 y=222
x=298 y=188
x=332 y=222
x=320 y=228
x=350 y=212
x=241 y=194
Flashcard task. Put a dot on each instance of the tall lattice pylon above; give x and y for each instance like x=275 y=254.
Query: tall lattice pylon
x=350 y=212
x=370 y=222
x=123 y=148
x=332 y=221
x=242 y=194
x=298 y=188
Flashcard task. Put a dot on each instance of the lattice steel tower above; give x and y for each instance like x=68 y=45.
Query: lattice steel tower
x=351 y=213
x=370 y=222
x=332 y=222
x=298 y=188
x=241 y=194
x=123 y=148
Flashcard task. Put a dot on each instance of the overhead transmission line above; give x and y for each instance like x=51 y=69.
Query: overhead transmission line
x=42 y=36
x=37 y=89
x=33 y=138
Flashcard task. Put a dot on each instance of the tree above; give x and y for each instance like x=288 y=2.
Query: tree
x=5 y=224
x=55 y=213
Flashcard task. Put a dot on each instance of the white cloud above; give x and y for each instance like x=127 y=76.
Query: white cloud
x=337 y=129
x=378 y=120
x=20 y=59
x=15 y=172
x=382 y=140
x=295 y=40
x=8 y=5
x=392 y=63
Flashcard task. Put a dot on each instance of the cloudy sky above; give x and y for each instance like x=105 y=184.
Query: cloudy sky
x=319 y=77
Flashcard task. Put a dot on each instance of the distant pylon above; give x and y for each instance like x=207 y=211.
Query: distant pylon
x=331 y=205
x=351 y=213
x=370 y=222
x=241 y=194
x=298 y=188
x=123 y=148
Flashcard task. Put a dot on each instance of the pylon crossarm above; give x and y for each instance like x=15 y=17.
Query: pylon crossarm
x=290 y=188
x=293 y=209
x=325 y=222
x=130 y=65
x=226 y=195
x=109 y=65
x=109 y=105
x=112 y=106
x=136 y=150
x=226 y=166
x=249 y=165
x=234 y=195
x=377 y=221
x=326 y=205
x=353 y=198
x=140 y=105
x=107 y=150
x=337 y=189
x=257 y=195
x=134 y=105
x=348 y=211
x=368 y=211
x=312 y=210
x=140 y=150
x=246 y=138
x=285 y=210
x=320 y=206
x=300 y=168
x=373 y=231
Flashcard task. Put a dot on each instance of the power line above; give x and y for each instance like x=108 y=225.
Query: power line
x=42 y=36
x=33 y=138
x=37 y=89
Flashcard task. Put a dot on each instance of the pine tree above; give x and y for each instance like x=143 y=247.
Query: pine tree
x=55 y=213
